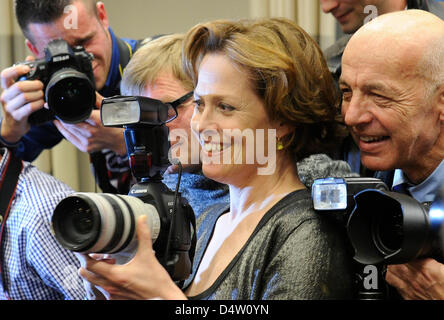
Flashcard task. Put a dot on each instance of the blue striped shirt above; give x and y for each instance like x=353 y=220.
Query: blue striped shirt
x=36 y=267
x=426 y=190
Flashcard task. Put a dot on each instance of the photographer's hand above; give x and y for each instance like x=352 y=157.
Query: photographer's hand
x=19 y=99
x=91 y=135
x=141 y=278
x=418 y=280
x=93 y=292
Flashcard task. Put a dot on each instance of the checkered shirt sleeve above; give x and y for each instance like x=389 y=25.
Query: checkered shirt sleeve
x=35 y=265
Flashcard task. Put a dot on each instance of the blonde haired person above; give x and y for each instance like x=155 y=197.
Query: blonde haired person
x=154 y=57
x=268 y=243
x=156 y=71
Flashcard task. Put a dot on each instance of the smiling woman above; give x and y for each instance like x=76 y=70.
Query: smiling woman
x=267 y=243
x=265 y=75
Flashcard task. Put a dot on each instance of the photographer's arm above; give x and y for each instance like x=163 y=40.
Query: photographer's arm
x=418 y=280
x=19 y=100
x=142 y=278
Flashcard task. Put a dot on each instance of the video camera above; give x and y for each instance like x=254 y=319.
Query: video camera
x=105 y=223
x=68 y=80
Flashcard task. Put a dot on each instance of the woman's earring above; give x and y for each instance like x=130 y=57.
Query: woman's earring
x=279 y=144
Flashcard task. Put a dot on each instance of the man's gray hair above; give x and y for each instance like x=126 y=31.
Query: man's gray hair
x=431 y=65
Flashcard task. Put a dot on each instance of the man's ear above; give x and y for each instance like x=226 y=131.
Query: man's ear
x=440 y=102
x=102 y=15
x=32 y=48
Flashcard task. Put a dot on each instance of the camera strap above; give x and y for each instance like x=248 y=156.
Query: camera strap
x=192 y=218
x=8 y=187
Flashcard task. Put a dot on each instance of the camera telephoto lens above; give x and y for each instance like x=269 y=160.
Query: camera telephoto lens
x=82 y=221
x=77 y=223
x=101 y=223
x=71 y=95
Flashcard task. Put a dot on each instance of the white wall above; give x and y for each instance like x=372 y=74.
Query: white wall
x=141 y=18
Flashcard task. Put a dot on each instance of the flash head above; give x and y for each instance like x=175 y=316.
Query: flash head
x=329 y=194
x=120 y=111
x=337 y=194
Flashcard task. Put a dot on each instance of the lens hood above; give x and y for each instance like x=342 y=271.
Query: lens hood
x=388 y=227
x=70 y=95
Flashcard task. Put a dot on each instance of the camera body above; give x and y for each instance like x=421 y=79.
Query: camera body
x=174 y=244
x=68 y=80
x=335 y=198
x=106 y=223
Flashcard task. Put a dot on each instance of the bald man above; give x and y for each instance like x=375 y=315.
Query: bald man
x=351 y=15
x=393 y=103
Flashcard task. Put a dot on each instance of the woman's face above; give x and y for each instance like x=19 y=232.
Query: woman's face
x=230 y=120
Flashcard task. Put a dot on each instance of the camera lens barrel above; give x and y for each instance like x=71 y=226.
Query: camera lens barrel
x=70 y=95
x=389 y=227
x=101 y=223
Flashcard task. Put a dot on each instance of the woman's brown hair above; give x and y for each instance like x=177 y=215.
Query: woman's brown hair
x=287 y=70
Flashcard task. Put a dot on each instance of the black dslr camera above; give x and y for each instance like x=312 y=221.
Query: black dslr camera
x=335 y=199
x=383 y=227
x=68 y=80
x=105 y=223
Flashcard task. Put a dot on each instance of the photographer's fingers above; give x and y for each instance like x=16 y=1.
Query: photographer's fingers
x=102 y=274
x=103 y=257
x=77 y=140
x=26 y=110
x=145 y=248
x=22 y=98
x=21 y=106
x=429 y=276
x=84 y=129
x=414 y=280
x=22 y=87
x=10 y=75
x=95 y=279
x=89 y=135
x=30 y=58
x=394 y=279
x=93 y=120
x=99 y=100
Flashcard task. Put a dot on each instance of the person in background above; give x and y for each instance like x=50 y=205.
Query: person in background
x=42 y=21
x=34 y=266
x=351 y=15
x=156 y=72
